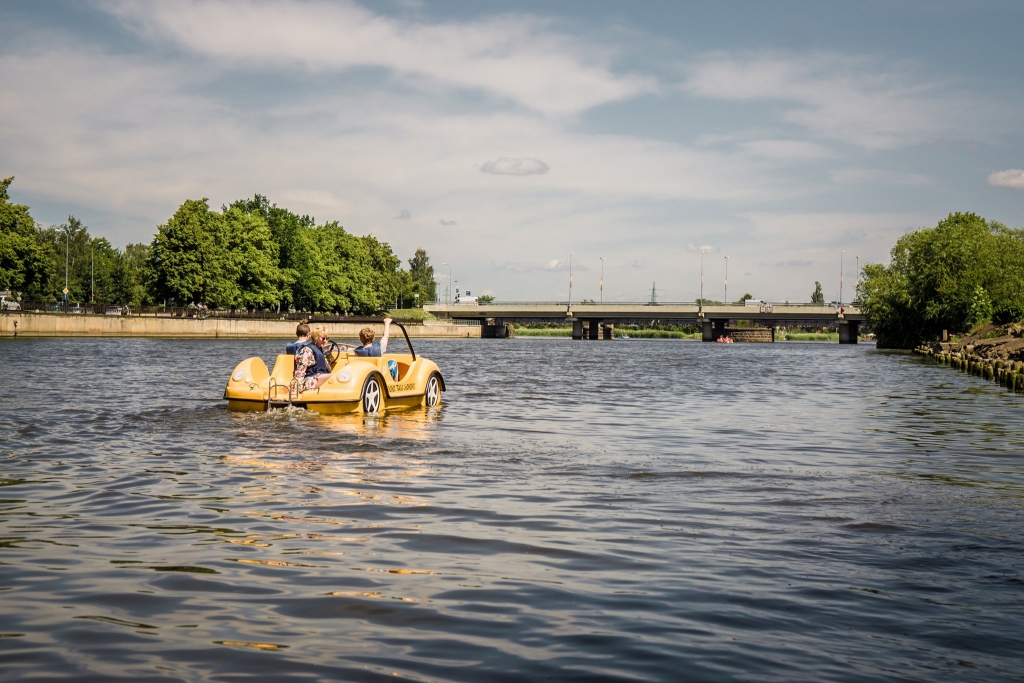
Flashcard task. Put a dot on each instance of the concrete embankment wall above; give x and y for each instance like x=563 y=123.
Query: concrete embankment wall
x=58 y=325
x=1006 y=373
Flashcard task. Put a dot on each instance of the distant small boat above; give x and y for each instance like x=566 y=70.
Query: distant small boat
x=623 y=336
x=725 y=340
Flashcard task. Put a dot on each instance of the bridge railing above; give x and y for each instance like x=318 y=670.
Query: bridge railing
x=642 y=303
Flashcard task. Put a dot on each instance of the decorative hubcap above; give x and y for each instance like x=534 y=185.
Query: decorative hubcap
x=371 y=399
x=432 y=390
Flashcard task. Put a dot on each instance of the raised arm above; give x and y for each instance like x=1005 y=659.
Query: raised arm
x=387 y=334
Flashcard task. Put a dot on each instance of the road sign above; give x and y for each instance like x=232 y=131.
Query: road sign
x=66 y=291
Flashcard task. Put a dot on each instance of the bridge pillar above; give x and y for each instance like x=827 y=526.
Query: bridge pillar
x=577 y=329
x=713 y=329
x=848 y=330
x=491 y=328
x=594 y=329
x=607 y=331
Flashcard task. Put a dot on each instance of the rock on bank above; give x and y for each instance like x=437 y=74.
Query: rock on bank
x=995 y=353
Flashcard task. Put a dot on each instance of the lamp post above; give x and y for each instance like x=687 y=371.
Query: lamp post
x=602 y=278
x=570 y=278
x=92 y=272
x=701 y=307
x=855 y=289
x=726 y=299
x=448 y=297
x=841 y=277
x=67 y=250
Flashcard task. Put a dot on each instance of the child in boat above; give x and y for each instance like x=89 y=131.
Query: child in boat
x=370 y=347
x=302 y=334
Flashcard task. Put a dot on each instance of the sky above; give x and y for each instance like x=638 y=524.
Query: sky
x=785 y=141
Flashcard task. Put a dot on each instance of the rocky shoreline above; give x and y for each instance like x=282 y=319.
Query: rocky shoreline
x=995 y=353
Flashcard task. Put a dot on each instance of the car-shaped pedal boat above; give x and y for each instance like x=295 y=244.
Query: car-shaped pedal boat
x=357 y=383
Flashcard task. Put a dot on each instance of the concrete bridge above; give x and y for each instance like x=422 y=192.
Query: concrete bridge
x=597 y=321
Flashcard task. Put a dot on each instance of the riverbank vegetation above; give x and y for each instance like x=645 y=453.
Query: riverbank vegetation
x=959 y=276
x=249 y=255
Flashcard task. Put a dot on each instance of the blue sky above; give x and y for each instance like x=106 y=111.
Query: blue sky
x=501 y=137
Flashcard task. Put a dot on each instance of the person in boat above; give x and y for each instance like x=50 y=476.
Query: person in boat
x=311 y=365
x=371 y=348
x=301 y=334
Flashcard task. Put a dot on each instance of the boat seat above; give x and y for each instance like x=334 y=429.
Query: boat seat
x=284 y=370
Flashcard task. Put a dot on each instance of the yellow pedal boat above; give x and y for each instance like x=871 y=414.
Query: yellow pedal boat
x=357 y=383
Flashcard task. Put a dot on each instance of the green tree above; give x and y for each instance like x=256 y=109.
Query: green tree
x=26 y=261
x=817 y=297
x=251 y=260
x=488 y=299
x=185 y=252
x=932 y=281
x=422 y=276
x=122 y=290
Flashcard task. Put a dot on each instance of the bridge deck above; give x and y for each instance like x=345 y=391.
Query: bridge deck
x=623 y=312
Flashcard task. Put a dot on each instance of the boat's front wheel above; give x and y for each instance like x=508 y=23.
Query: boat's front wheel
x=371 y=395
x=433 y=391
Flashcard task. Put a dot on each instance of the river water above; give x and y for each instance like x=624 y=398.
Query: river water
x=628 y=510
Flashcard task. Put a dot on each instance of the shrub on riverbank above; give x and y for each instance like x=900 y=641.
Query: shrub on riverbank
x=811 y=336
x=963 y=272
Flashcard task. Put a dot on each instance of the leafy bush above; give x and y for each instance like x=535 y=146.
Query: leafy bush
x=963 y=271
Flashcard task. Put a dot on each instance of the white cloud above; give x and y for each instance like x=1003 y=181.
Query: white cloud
x=509 y=166
x=448 y=222
x=857 y=100
x=863 y=176
x=517 y=57
x=788 y=150
x=403 y=215
x=1011 y=178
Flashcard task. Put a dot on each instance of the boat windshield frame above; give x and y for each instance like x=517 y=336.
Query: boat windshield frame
x=379 y=321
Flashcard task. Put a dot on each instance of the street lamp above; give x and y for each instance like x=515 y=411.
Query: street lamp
x=855 y=289
x=701 y=307
x=726 y=299
x=602 y=278
x=92 y=272
x=448 y=297
x=841 y=276
x=67 y=250
x=570 y=278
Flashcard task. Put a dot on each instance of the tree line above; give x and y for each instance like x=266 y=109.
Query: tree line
x=249 y=255
x=962 y=274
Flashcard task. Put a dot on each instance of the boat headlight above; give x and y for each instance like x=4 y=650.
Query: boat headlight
x=344 y=376
x=238 y=376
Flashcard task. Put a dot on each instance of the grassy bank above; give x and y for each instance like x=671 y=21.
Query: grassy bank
x=633 y=334
x=410 y=315
x=544 y=332
x=811 y=336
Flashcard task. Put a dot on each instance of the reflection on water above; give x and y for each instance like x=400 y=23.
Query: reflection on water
x=619 y=511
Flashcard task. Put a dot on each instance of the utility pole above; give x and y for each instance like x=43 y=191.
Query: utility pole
x=726 y=299
x=841 y=277
x=67 y=250
x=570 y=278
x=92 y=272
x=447 y=298
x=602 y=278
x=857 y=288
x=701 y=306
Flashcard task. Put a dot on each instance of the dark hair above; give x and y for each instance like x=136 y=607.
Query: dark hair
x=303 y=329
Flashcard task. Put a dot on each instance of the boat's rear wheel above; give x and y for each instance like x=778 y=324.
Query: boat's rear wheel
x=433 y=396
x=371 y=395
